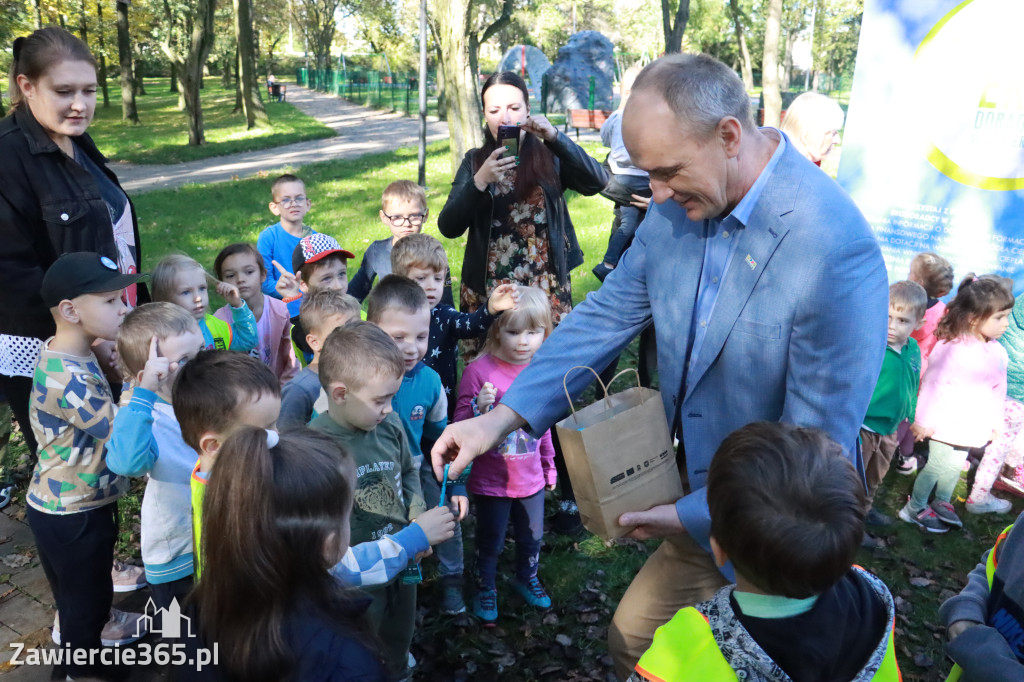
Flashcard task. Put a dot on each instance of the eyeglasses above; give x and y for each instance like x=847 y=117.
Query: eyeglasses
x=288 y=201
x=416 y=219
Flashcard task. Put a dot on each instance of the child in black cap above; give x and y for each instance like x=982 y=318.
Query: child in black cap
x=72 y=498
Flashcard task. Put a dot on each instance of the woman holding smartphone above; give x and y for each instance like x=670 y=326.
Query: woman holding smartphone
x=509 y=195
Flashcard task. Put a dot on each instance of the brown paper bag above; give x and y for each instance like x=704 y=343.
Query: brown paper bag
x=619 y=455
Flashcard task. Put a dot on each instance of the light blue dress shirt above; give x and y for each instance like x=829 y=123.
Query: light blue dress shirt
x=719 y=250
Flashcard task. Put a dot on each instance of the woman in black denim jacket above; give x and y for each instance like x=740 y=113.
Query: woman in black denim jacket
x=57 y=196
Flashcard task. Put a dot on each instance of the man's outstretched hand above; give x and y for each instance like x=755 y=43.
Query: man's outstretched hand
x=464 y=441
x=657 y=522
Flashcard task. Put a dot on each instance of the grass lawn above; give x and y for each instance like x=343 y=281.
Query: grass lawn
x=162 y=137
x=201 y=219
x=587 y=578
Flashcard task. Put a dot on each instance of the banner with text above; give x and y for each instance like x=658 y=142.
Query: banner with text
x=933 y=151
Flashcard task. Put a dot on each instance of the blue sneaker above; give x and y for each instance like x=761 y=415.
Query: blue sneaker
x=485 y=606
x=533 y=592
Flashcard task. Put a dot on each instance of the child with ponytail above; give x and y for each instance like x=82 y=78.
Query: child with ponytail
x=962 y=392
x=276 y=519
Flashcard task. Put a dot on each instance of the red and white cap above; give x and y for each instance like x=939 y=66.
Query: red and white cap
x=316 y=247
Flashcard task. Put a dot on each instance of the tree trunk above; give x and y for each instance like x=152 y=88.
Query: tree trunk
x=252 y=103
x=138 y=78
x=787 y=61
x=174 y=76
x=124 y=55
x=199 y=50
x=189 y=67
x=83 y=26
x=770 y=65
x=741 y=39
x=225 y=70
x=39 y=15
x=238 y=86
x=460 y=87
x=674 y=33
x=103 y=55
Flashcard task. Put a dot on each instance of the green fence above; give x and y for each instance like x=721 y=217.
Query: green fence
x=398 y=91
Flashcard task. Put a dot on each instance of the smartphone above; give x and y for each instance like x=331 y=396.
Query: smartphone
x=508 y=136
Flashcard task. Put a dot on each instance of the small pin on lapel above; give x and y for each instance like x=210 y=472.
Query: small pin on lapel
x=751 y=262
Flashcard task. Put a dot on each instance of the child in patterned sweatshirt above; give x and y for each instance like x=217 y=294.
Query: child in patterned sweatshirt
x=72 y=499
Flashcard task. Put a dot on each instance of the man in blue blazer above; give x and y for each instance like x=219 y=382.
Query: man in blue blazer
x=769 y=298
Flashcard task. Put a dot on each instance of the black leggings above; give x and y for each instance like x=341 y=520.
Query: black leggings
x=18 y=391
x=76 y=551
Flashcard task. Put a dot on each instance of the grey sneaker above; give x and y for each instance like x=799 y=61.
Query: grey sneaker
x=451 y=600
x=127 y=577
x=122 y=628
x=946 y=513
x=877 y=518
x=925 y=518
x=989 y=505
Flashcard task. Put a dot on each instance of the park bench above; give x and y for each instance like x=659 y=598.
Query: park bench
x=276 y=91
x=591 y=119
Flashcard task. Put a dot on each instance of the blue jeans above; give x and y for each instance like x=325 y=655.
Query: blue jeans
x=627 y=217
x=492 y=515
x=449 y=552
x=942 y=472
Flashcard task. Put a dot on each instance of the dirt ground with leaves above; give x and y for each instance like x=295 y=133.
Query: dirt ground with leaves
x=585 y=577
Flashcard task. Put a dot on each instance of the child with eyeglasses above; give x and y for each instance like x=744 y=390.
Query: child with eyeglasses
x=290 y=203
x=403 y=210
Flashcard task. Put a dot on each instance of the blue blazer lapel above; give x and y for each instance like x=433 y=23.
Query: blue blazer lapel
x=757 y=243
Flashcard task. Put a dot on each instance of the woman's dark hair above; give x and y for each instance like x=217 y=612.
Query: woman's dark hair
x=37 y=53
x=234 y=250
x=268 y=517
x=536 y=162
x=976 y=299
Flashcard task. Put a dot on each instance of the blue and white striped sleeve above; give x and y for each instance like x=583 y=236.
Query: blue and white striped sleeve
x=380 y=562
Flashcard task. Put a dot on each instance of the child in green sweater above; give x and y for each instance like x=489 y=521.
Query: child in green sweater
x=895 y=396
x=361 y=369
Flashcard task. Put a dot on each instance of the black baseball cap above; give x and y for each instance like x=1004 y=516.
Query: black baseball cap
x=83 y=272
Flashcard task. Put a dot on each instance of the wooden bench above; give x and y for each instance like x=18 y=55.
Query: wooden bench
x=591 y=119
x=277 y=91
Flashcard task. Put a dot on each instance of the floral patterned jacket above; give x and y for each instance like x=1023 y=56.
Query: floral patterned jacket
x=470 y=209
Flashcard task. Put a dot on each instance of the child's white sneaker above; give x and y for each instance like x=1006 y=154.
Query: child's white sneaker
x=990 y=504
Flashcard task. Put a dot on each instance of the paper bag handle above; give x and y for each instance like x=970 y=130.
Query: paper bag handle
x=625 y=371
x=565 y=384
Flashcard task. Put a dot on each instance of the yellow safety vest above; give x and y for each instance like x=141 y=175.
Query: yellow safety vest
x=220 y=331
x=990 y=573
x=685 y=649
x=198 y=488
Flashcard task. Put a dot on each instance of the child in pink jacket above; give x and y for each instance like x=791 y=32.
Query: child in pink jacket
x=509 y=480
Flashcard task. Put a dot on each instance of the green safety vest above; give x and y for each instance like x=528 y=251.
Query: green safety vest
x=220 y=331
x=685 y=649
x=990 y=573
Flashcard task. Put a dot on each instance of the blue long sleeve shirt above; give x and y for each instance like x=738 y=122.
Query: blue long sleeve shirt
x=275 y=243
x=147 y=440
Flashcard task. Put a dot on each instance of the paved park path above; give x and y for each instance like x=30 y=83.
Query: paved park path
x=359 y=130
